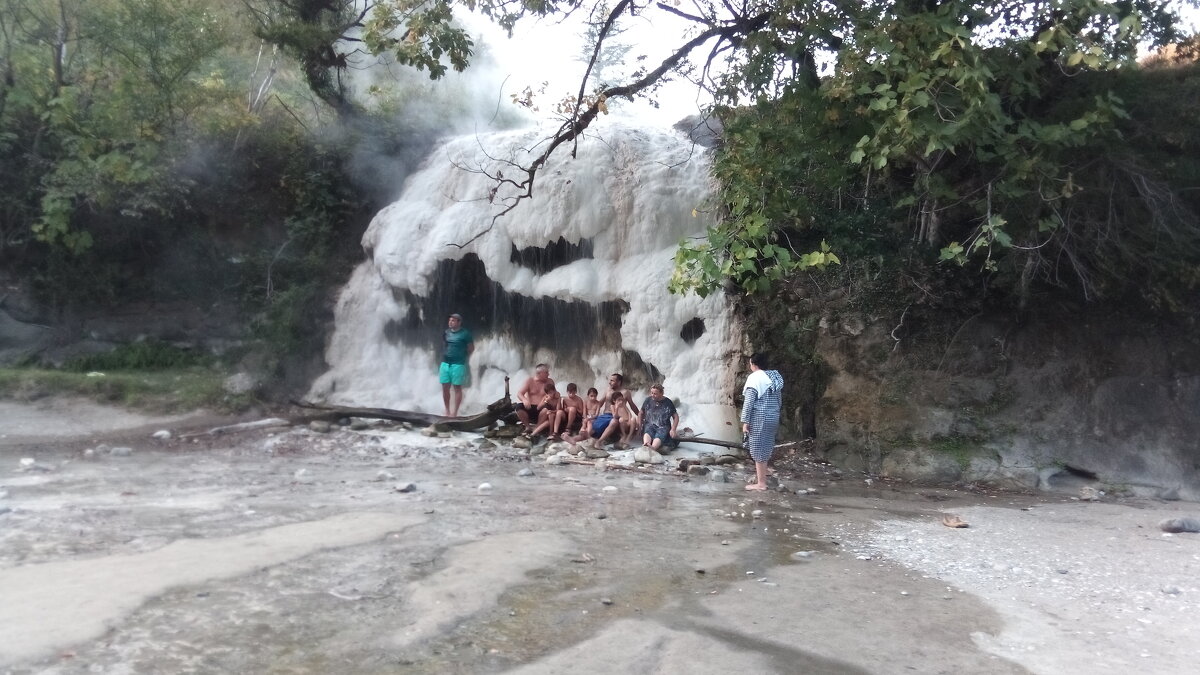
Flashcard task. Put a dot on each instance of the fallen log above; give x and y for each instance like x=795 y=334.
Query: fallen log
x=495 y=412
x=711 y=441
x=727 y=444
x=498 y=410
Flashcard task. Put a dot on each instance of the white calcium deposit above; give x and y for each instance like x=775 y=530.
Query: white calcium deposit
x=635 y=193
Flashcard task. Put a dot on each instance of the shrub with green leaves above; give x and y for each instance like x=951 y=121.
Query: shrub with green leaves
x=148 y=355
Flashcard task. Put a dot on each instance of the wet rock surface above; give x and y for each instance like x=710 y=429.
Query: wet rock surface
x=296 y=551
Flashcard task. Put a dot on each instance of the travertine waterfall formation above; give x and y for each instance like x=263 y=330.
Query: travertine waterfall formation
x=575 y=277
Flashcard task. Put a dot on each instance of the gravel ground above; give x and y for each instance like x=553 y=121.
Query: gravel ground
x=286 y=550
x=1077 y=583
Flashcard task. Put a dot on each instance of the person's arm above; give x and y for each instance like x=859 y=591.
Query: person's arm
x=674 y=421
x=632 y=405
x=523 y=393
x=751 y=395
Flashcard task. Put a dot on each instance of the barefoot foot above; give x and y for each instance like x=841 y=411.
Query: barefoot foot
x=756 y=487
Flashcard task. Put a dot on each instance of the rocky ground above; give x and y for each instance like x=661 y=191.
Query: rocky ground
x=382 y=550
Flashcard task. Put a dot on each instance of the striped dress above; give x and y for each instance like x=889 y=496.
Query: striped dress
x=764 y=399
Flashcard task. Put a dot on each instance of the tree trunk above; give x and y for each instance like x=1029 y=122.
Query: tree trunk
x=495 y=412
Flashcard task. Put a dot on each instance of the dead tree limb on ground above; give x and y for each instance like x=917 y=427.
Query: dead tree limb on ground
x=495 y=412
x=711 y=441
x=499 y=410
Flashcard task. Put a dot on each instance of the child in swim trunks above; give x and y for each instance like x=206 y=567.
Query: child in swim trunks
x=591 y=410
x=608 y=423
x=629 y=425
x=547 y=409
x=570 y=414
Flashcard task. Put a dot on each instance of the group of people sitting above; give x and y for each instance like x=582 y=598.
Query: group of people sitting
x=600 y=418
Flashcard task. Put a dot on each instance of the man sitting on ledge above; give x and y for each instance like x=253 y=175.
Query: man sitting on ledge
x=530 y=396
x=660 y=419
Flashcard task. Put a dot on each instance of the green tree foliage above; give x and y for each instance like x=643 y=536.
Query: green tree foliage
x=319 y=34
x=131 y=87
x=989 y=132
x=157 y=150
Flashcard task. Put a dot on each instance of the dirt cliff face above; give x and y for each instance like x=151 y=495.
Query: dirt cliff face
x=1050 y=402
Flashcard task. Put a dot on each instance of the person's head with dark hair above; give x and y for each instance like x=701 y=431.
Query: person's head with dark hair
x=759 y=361
x=616 y=380
x=592 y=391
x=572 y=388
x=616 y=398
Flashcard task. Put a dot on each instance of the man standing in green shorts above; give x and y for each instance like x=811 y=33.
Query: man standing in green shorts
x=454 y=371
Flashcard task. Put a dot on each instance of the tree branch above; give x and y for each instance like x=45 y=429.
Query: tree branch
x=578 y=122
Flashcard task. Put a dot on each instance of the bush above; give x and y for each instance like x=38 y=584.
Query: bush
x=149 y=355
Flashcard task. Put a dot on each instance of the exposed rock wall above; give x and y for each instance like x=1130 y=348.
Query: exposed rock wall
x=1048 y=402
x=32 y=331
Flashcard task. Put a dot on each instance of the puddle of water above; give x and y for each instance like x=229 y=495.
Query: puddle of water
x=561 y=605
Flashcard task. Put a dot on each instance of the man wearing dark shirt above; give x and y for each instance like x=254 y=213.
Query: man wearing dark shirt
x=454 y=371
x=660 y=419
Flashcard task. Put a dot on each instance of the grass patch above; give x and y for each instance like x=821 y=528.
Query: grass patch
x=148 y=355
x=960 y=448
x=160 y=391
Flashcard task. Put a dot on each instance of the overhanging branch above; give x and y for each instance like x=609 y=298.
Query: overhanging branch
x=580 y=121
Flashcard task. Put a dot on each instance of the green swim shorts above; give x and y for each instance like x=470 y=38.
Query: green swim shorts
x=454 y=373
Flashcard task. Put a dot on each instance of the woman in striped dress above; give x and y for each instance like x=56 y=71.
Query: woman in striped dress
x=760 y=415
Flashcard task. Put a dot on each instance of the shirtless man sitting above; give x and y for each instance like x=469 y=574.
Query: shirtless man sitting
x=530 y=396
x=616 y=385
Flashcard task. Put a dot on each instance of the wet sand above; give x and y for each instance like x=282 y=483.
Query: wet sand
x=292 y=551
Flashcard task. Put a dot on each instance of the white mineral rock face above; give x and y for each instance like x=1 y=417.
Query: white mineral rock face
x=633 y=193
